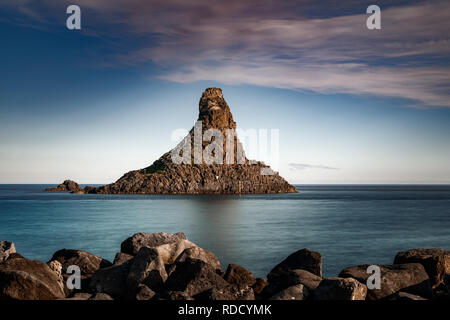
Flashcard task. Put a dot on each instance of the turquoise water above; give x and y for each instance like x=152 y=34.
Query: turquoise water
x=348 y=224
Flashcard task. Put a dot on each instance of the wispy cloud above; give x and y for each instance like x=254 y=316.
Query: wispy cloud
x=281 y=44
x=303 y=166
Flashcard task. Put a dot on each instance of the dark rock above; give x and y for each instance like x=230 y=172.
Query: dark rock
x=194 y=276
x=404 y=296
x=147 y=267
x=137 y=241
x=87 y=262
x=340 y=289
x=111 y=280
x=100 y=296
x=302 y=259
x=6 y=249
x=24 y=279
x=435 y=261
x=297 y=292
x=280 y=279
x=121 y=258
x=67 y=185
x=409 y=277
x=197 y=253
x=166 y=177
x=144 y=293
x=259 y=286
x=239 y=276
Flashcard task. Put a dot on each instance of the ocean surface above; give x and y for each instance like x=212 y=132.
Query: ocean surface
x=348 y=225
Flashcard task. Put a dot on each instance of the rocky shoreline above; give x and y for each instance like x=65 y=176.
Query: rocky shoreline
x=164 y=266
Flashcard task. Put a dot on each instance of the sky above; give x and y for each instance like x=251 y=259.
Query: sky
x=352 y=105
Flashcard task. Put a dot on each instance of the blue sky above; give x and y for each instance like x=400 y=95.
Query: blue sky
x=352 y=105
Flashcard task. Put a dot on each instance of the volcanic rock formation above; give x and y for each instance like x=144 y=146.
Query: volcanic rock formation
x=195 y=175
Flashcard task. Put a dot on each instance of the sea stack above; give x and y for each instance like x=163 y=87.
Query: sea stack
x=197 y=176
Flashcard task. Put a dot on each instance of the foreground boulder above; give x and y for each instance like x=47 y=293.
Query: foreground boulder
x=67 y=185
x=409 y=277
x=336 y=288
x=24 y=279
x=6 y=249
x=87 y=262
x=169 y=267
x=239 y=276
x=435 y=261
x=302 y=259
x=193 y=276
x=133 y=244
x=147 y=268
x=281 y=279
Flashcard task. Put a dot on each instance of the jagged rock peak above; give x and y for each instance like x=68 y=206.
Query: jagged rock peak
x=214 y=111
x=196 y=175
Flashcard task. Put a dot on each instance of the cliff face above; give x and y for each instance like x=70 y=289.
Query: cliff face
x=233 y=175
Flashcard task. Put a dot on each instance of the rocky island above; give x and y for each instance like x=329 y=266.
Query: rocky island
x=235 y=174
x=164 y=266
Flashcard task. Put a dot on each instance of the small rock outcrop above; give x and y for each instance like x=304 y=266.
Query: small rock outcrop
x=281 y=279
x=111 y=280
x=303 y=259
x=239 y=276
x=198 y=253
x=193 y=277
x=67 y=185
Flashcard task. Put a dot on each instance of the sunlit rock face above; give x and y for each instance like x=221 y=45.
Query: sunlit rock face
x=238 y=176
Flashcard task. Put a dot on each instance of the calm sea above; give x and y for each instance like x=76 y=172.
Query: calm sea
x=349 y=225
